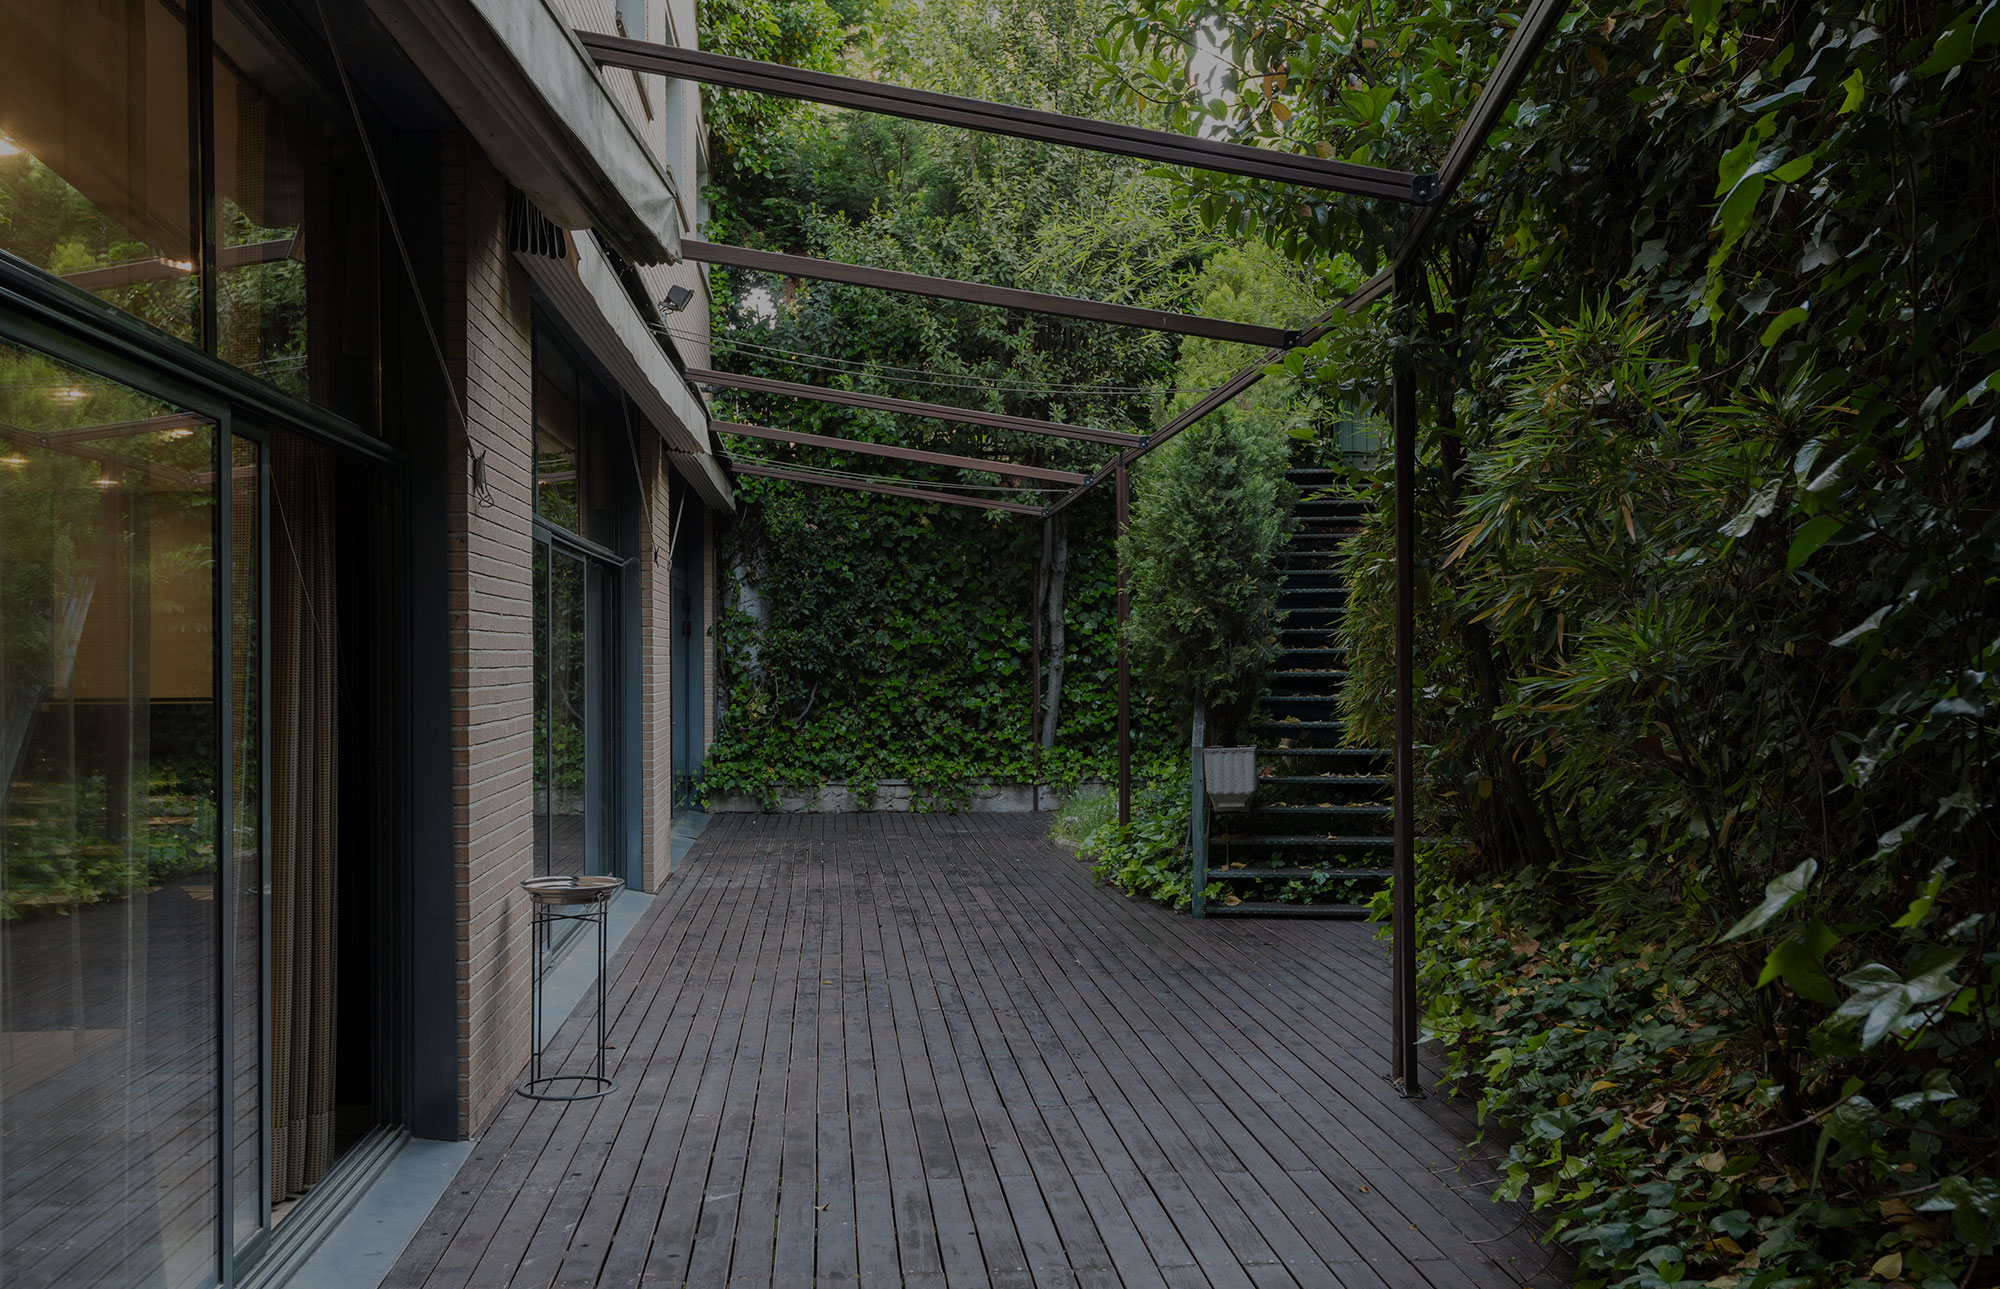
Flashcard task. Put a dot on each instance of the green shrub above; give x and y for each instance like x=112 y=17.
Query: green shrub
x=1149 y=856
x=1211 y=511
x=1081 y=814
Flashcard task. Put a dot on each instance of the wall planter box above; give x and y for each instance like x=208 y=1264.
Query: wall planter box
x=1230 y=776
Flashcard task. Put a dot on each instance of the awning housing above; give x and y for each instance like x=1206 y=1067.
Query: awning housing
x=521 y=84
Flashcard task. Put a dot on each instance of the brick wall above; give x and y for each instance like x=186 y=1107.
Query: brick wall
x=489 y=346
x=655 y=657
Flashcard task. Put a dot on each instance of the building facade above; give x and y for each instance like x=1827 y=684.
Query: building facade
x=356 y=563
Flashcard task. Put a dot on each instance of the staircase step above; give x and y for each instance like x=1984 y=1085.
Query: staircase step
x=1298 y=725
x=1340 y=674
x=1274 y=752
x=1241 y=874
x=1350 y=812
x=1329 y=780
x=1273 y=839
x=1259 y=908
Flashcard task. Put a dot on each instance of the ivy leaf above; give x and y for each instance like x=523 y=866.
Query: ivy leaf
x=1881 y=998
x=1873 y=622
x=1794 y=963
x=1790 y=94
x=1952 y=48
x=1920 y=907
x=1651 y=254
x=1761 y=503
x=1811 y=536
x=1974 y=1205
x=1739 y=205
x=1782 y=323
x=1780 y=893
x=1830 y=476
x=1857 y=90
x=1936 y=1087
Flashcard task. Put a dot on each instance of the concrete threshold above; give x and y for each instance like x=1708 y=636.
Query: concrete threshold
x=360 y=1250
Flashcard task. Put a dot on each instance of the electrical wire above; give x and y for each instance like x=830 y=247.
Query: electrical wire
x=899 y=480
x=395 y=225
x=916 y=375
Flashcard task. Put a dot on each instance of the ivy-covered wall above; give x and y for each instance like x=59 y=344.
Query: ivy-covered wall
x=866 y=637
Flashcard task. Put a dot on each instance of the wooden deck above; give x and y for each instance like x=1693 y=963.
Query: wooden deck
x=930 y=1051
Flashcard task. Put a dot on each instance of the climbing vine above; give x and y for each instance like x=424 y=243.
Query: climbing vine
x=1707 y=593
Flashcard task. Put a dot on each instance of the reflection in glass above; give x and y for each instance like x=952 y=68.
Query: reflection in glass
x=95 y=167
x=558 y=458
x=246 y=829
x=567 y=727
x=263 y=159
x=108 y=905
x=541 y=573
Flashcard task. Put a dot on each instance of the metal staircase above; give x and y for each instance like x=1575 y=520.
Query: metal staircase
x=1316 y=839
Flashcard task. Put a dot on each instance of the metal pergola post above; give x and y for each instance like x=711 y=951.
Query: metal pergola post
x=1035 y=670
x=1124 y=664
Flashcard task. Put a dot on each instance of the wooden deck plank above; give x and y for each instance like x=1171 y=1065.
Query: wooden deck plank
x=930 y=1051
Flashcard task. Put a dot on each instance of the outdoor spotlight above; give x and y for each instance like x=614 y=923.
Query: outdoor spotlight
x=677 y=298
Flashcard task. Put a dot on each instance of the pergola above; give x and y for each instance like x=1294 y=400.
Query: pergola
x=1426 y=193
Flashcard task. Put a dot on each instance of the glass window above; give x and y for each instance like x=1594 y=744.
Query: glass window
x=295 y=210
x=558 y=441
x=96 y=178
x=108 y=833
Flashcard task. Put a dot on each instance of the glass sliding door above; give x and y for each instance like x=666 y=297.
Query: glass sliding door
x=564 y=692
x=574 y=602
x=112 y=894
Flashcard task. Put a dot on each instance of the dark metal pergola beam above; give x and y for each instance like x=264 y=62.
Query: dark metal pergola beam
x=887 y=489
x=1163 y=146
x=897 y=453
x=1246 y=376
x=1516 y=58
x=1061 y=306
x=930 y=411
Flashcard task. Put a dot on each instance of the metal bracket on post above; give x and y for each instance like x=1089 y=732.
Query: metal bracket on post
x=1198 y=825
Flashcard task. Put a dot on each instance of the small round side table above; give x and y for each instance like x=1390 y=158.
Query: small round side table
x=557 y=900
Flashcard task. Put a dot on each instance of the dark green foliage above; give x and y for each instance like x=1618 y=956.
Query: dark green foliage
x=1708 y=613
x=891 y=639
x=896 y=646
x=1149 y=856
x=800 y=33
x=1211 y=511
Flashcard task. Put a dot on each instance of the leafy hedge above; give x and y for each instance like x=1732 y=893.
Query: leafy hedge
x=1709 y=618
x=894 y=644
